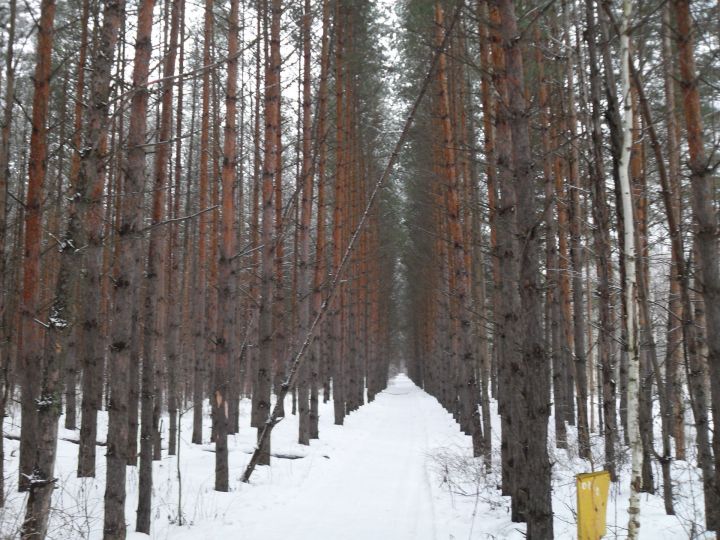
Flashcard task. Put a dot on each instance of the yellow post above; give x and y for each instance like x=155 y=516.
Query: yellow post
x=592 y=494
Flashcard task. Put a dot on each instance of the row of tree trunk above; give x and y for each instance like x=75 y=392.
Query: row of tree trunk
x=212 y=254
x=164 y=264
x=549 y=336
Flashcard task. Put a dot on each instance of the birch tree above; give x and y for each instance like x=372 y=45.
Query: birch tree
x=629 y=254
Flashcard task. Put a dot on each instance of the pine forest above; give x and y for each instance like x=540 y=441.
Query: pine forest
x=359 y=269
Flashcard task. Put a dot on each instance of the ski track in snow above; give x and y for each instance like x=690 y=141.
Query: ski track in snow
x=375 y=483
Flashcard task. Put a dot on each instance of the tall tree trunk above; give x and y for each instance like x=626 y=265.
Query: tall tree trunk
x=261 y=394
x=5 y=318
x=567 y=366
x=200 y=337
x=30 y=353
x=90 y=187
x=489 y=150
x=278 y=304
x=601 y=239
x=646 y=339
x=336 y=336
x=478 y=263
x=461 y=293
x=252 y=356
x=174 y=289
x=612 y=115
x=241 y=308
x=71 y=364
x=629 y=255
x=706 y=221
x=155 y=302
x=319 y=271
x=506 y=300
x=211 y=309
x=576 y=250
x=40 y=402
x=188 y=268
x=553 y=317
x=674 y=349
x=127 y=281
x=536 y=385
x=304 y=233
x=226 y=346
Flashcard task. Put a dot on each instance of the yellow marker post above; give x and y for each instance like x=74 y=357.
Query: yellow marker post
x=592 y=494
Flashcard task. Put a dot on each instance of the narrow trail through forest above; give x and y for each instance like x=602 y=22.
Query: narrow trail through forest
x=375 y=483
x=218 y=215
x=399 y=468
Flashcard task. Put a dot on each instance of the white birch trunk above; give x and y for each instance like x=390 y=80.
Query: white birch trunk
x=633 y=387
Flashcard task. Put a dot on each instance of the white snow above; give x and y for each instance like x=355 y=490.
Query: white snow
x=398 y=469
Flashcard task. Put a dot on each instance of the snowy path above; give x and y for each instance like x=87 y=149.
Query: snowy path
x=375 y=484
x=385 y=475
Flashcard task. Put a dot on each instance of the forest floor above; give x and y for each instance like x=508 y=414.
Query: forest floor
x=398 y=469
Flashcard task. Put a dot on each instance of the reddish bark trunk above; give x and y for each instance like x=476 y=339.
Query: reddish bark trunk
x=29 y=352
x=40 y=402
x=226 y=345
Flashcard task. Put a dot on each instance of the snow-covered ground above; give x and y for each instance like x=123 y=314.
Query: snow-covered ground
x=398 y=469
